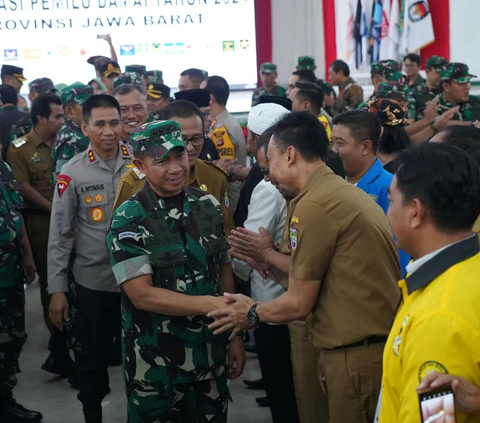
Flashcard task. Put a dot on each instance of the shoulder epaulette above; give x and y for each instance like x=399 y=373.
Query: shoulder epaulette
x=20 y=141
x=139 y=174
x=216 y=167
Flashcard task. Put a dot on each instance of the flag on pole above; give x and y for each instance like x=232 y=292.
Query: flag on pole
x=350 y=36
x=394 y=31
x=376 y=31
x=385 y=40
x=364 y=33
x=417 y=26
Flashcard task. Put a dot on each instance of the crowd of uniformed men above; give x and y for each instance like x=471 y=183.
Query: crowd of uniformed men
x=348 y=242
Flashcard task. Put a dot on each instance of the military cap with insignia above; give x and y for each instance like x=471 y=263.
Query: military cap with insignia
x=76 y=93
x=388 y=69
x=268 y=68
x=306 y=63
x=157 y=91
x=42 y=86
x=15 y=71
x=394 y=90
x=140 y=69
x=110 y=68
x=155 y=76
x=156 y=139
x=458 y=72
x=132 y=78
x=281 y=101
x=198 y=96
x=436 y=62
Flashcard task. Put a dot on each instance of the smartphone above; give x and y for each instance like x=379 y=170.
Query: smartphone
x=102 y=37
x=438 y=405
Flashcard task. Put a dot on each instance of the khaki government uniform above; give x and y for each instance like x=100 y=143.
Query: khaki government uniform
x=204 y=175
x=30 y=160
x=340 y=237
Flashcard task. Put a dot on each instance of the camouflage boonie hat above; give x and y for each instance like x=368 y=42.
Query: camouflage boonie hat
x=389 y=112
x=41 y=85
x=306 y=62
x=156 y=139
x=436 y=62
x=326 y=87
x=155 y=76
x=394 y=90
x=140 y=69
x=132 y=78
x=388 y=69
x=458 y=72
x=76 y=93
x=268 y=68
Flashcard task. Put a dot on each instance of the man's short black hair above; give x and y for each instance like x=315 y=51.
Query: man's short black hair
x=415 y=58
x=303 y=131
x=394 y=140
x=309 y=91
x=340 y=65
x=466 y=138
x=362 y=126
x=219 y=88
x=264 y=139
x=335 y=163
x=8 y=95
x=447 y=182
x=97 y=101
x=41 y=106
x=127 y=89
x=181 y=109
x=197 y=76
x=305 y=75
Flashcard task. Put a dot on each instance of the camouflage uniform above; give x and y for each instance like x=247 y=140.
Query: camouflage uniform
x=154 y=76
x=132 y=78
x=22 y=127
x=140 y=69
x=12 y=278
x=174 y=367
x=399 y=92
x=306 y=63
x=268 y=68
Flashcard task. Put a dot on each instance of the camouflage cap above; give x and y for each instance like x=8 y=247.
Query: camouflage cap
x=132 y=78
x=388 y=69
x=76 y=93
x=140 y=69
x=156 y=139
x=155 y=76
x=60 y=87
x=458 y=72
x=389 y=112
x=157 y=91
x=268 y=68
x=436 y=62
x=306 y=62
x=394 y=90
x=41 y=85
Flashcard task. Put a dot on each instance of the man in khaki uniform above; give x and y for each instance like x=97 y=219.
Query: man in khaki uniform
x=30 y=159
x=203 y=175
x=341 y=241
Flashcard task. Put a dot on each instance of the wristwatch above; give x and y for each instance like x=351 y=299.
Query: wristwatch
x=253 y=316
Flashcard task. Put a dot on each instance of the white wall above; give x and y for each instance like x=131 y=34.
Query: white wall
x=297 y=30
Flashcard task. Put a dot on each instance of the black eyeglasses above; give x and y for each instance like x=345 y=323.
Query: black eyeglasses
x=265 y=172
x=196 y=141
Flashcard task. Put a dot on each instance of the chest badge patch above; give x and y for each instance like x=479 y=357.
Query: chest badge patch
x=227 y=202
x=398 y=338
x=295 y=219
x=63 y=182
x=36 y=158
x=429 y=367
x=88 y=199
x=293 y=238
x=97 y=214
x=98 y=198
x=203 y=187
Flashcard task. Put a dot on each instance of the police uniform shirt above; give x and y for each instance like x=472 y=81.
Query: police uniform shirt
x=83 y=198
x=340 y=237
x=29 y=158
x=436 y=329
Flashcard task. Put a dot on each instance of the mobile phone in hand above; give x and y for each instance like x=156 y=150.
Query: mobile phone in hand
x=102 y=37
x=437 y=405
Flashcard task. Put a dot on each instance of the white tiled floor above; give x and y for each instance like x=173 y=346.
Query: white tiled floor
x=53 y=397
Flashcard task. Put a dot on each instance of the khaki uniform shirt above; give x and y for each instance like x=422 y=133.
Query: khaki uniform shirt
x=340 y=237
x=205 y=175
x=30 y=160
x=83 y=199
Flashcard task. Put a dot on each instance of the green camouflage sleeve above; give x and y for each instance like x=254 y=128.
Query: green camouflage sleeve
x=125 y=239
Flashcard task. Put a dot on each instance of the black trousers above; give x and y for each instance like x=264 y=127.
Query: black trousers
x=99 y=323
x=273 y=349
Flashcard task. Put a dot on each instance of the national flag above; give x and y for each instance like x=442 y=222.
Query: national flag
x=360 y=36
x=417 y=26
x=376 y=31
x=385 y=43
x=394 y=31
x=351 y=41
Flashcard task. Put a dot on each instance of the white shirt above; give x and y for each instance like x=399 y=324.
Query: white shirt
x=267 y=209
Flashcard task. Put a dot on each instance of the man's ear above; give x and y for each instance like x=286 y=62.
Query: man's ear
x=291 y=155
x=418 y=213
x=139 y=164
x=84 y=126
x=366 y=147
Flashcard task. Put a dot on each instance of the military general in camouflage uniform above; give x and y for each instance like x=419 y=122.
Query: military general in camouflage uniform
x=16 y=268
x=171 y=260
x=70 y=139
x=268 y=76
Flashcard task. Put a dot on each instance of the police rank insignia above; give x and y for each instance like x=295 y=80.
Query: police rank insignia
x=398 y=338
x=203 y=187
x=293 y=238
x=91 y=156
x=97 y=214
x=124 y=150
x=63 y=182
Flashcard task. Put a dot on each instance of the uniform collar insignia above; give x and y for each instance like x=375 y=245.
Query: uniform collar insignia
x=439 y=264
x=91 y=156
x=124 y=149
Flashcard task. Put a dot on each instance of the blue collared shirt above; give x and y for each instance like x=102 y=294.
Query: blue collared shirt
x=375 y=183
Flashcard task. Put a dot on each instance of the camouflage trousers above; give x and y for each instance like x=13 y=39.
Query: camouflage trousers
x=196 y=402
x=12 y=335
